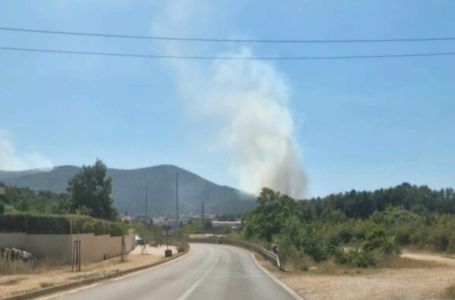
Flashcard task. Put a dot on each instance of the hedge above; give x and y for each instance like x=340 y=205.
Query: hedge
x=59 y=224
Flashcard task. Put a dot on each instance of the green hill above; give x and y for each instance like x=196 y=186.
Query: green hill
x=129 y=189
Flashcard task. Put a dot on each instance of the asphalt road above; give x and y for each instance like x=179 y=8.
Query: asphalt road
x=207 y=272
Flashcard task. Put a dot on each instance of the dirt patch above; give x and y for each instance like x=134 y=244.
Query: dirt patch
x=414 y=276
x=10 y=280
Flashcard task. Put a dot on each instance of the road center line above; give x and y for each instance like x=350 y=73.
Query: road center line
x=191 y=289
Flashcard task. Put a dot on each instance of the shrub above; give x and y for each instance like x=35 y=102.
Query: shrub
x=47 y=224
x=378 y=240
x=13 y=223
x=60 y=224
x=356 y=258
x=315 y=250
x=449 y=292
x=362 y=259
x=117 y=229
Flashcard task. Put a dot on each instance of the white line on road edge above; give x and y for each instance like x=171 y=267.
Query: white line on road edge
x=284 y=286
x=188 y=292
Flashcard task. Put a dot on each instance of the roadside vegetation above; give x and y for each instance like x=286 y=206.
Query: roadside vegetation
x=449 y=292
x=86 y=208
x=88 y=193
x=354 y=229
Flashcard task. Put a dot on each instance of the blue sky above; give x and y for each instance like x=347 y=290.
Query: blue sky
x=357 y=124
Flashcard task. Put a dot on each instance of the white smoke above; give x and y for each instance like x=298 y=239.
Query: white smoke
x=250 y=101
x=11 y=160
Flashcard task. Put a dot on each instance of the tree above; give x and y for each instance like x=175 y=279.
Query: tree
x=90 y=192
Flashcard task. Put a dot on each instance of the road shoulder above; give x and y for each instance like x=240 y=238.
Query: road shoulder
x=84 y=279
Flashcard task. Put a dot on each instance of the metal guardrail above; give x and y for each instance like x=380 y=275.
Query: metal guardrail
x=267 y=254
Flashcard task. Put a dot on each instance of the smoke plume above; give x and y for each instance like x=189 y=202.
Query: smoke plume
x=11 y=160
x=249 y=101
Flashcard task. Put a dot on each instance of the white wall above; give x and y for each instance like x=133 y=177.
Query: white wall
x=60 y=246
x=98 y=247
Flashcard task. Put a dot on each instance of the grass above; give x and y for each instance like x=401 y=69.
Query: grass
x=14 y=267
x=18 y=267
x=11 y=281
x=45 y=284
x=397 y=262
x=329 y=267
x=449 y=292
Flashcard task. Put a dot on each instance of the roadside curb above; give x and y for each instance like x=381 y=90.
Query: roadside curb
x=69 y=286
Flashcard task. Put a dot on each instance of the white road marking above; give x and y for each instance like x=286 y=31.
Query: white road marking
x=284 y=286
x=191 y=289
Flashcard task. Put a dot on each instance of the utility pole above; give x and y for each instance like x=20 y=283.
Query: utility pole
x=177 y=200
x=146 y=202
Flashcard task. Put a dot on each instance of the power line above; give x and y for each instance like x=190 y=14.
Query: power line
x=226 y=40
x=195 y=57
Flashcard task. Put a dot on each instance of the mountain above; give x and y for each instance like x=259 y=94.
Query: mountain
x=128 y=189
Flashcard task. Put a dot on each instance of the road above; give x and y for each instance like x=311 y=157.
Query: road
x=207 y=272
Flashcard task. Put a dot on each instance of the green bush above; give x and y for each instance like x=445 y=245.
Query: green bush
x=13 y=223
x=449 y=292
x=47 y=224
x=117 y=229
x=378 y=240
x=356 y=258
x=362 y=259
x=60 y=224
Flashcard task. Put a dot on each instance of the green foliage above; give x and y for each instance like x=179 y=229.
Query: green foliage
x=356 y=258
x=59 y=224
x=359 y=229
x=449 y=292
x=378 y=240
x=13 y=223
x=150 y=232
x=2 y=208
x=198 y=226
x=320 y=234
x=90 y=192
x=227 y=217
x=25 y=200
x=419 y=200
x=266 y=220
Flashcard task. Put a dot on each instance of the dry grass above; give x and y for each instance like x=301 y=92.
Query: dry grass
x=412 y=276
x=14 y=267
x=46 y=284
x=18 y=267
x=11 y=281
x=329 y=267
x=449 y=292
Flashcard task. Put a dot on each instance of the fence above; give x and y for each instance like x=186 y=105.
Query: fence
x=267 y=254
x=59 y=224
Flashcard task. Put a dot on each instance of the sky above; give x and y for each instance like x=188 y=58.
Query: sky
x=351 y=124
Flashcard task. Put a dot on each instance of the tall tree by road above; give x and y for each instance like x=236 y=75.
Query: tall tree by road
x=90 y=192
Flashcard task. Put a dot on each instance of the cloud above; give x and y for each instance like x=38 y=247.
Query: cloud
x=10 y=159
x=248 y=100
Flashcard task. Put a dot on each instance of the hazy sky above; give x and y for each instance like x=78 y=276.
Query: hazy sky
x=355 y=124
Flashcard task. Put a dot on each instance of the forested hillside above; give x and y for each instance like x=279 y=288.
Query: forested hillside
x=128 y=189
x=361 y=204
